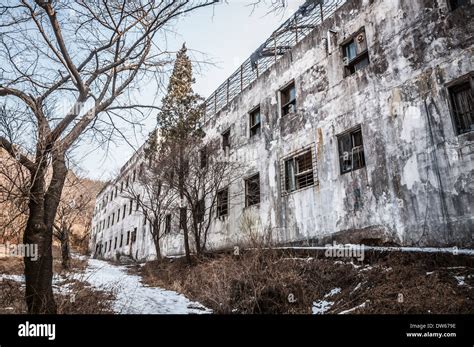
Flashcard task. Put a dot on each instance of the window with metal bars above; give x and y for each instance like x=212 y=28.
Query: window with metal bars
x=299 y=171
x=252 y=190
x=223 y=202
x=462 y=104
x=255 y=122
x=351 y=150
x=288 y=99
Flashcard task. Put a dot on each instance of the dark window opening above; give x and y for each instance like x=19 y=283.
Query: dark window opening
x=138 y=203
x=255 y=122
x=124 y=211
x=115 y=243
x=110 y=245
x=134 y=175
x=252 y=190
x=182 y=217
x=121 y=240
x=223 y=202
x=121 y=187
x=167 y=223
x=351 y=151
x=288 y=99
x=203 y=157
x=128 y=237
x=226 y=140
x=134 y=235
x=454 y=4
x=201 y=208
x=118 y=215
x=131 y=207
x=299 y=172
x=356 y=54
x=462 y=101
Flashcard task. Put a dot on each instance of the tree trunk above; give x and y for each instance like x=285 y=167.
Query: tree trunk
x=156 y=239
x=65 y=251
x=182 y=211
x=39 y=231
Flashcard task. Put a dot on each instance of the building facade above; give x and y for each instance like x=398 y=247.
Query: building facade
x=361 y=131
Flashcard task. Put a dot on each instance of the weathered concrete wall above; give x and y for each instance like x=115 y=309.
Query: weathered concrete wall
x=418 y=182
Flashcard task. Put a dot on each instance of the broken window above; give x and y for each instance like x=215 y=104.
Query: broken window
x=201 y=208
x=351 y=150
x=462 y=102
x=203 y=157
x=223 y=202
x=356 y=54
x=255 y=122
x=252 y=190
x=226 y=140
x=299 y=171
x=167 y=223
x=454 y=4
x=288 y=99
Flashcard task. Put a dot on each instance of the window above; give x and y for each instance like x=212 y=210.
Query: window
x=462 y=105
x=134 y=235
x=299 y=171
x=124 y=211
x=226 y=140
x=255 y=122
x=201 y=208
x=121 y=187
x=118 y=215
x=121 y=240
x=115 y=243
x=252 y=190
x=351 y=150
x=134 y=174
x=138 y=203
x=288 y=99
x=131 y=207
x=203 y=157
x=223 y=202
x=356 y=55
x=128 y=237
x=167 y=223
x=454 y=4
x=113 y=218
x=110 y=245
x=108 y=221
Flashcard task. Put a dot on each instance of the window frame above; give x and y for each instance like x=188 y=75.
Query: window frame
x=254 y=178
x=291 y=161
x=226 y=140
x=255 y=129
x=282 y=92
x=219 y=209
x=351 y=64
x=350 y=133
x=467 y=79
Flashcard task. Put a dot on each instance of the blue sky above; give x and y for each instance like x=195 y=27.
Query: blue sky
x=225 y=35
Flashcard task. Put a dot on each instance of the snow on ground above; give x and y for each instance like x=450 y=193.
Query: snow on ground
x=133 y=297
x=353 y=309
x=322 y=306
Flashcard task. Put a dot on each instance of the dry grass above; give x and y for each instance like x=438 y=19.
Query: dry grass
x=262 y=282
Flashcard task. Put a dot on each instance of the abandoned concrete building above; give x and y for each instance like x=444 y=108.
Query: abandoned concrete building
x=355 y=121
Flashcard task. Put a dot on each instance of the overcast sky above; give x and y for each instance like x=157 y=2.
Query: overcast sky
x=225 y=35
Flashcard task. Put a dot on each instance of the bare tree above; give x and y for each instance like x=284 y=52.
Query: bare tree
x=152 y=195
x=90 y=54
x=74 y=208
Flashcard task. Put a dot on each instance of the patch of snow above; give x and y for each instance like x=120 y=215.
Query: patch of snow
x=429 y=273
x=333 y=292
x=135 y=298
x=460 y=280
x=321 y=306
x=357 y=287
x=16 y=278
x=353 y=309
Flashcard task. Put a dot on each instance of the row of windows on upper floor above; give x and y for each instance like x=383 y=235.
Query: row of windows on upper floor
x=356 y=57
